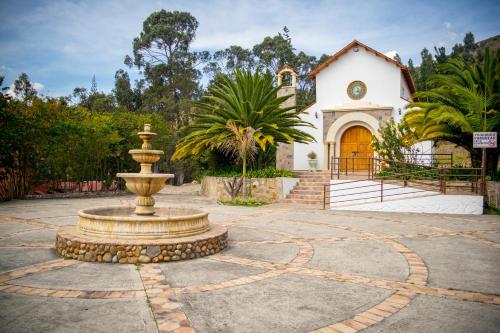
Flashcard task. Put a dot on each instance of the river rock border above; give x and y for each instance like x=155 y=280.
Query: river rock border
x=71 y=245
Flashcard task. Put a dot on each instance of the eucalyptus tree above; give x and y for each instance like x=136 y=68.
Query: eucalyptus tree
x=23 y=88
x=162 y=52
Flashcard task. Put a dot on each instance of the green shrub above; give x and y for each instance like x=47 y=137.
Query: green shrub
x=248 y=202
x=268 y=172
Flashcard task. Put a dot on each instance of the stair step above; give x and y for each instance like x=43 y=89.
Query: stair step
x=301 y=183
x=308 y=202
x=300 y=191
x=318 y=178
x=309 y=188
x=305 y=196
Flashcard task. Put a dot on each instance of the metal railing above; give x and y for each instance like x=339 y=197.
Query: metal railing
x=398 y=174
x=434 y=160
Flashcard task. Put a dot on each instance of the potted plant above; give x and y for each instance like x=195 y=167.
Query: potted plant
x=313 y=162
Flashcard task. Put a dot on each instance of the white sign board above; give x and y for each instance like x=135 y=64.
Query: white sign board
x=485 y=140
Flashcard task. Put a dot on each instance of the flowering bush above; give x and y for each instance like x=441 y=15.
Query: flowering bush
x=394 y=141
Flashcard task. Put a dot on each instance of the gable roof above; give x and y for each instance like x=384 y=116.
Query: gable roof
x=404 y=69
x=285 y=67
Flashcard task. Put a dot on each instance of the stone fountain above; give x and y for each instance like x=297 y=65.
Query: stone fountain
x=144 y=233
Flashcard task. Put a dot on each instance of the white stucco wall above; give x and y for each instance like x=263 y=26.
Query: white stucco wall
x=381 y=77
x=300 y=150
x=386 y=87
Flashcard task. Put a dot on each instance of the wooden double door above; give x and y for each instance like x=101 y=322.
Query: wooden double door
x=356 y=149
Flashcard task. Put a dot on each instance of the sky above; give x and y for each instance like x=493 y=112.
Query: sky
x=61 y=44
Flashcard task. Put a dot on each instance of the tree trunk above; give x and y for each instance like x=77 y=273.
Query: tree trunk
x=244 y=176
x=492 y=162
x=475 y=157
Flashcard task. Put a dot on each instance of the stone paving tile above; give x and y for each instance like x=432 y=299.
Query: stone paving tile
x=384 y=227
x=286 y=303
x=61 y=220
x=239 y=233
x=204 y=271
x=306 y=228
x=298 y=228
x=372 y=259
x=12 y=258
x=431 y=314
x=494 y=237
x=40 y=235
x=82 y=276
x=454 y=262
x=11 y=227
x=278 y=253
x=61 y=315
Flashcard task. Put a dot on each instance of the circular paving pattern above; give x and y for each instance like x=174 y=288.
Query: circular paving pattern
x=277 y=242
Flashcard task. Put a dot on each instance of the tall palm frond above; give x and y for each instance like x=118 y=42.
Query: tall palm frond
x=465 y=99
x=249 y=101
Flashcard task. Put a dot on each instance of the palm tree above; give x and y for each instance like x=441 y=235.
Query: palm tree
x=464 y=99
x=240 y=114
x=241 y=144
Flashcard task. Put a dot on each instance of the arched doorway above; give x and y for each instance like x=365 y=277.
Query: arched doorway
x=355 y=149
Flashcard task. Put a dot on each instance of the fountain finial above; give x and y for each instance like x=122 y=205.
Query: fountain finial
x=146 y=136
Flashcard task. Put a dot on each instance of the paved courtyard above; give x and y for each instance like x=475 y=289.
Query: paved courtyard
x=287 y=269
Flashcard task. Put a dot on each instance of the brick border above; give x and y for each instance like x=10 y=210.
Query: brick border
x=37 y=268
x=69 y=293
x=167 y=311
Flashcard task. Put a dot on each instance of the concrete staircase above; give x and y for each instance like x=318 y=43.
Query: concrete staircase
x=309 y=189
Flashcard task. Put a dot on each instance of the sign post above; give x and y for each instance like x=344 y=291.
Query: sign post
x=484 y=140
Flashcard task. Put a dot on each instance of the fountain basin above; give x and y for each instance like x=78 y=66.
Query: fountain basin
x=121 y=222
x=147 y=156
x=145 y=184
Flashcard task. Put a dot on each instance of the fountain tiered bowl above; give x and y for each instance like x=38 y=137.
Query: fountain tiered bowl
x=141 y=233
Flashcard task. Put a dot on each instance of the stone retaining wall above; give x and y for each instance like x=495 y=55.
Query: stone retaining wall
x=493 y=190
x=263 y=189
x=68 y=195
x=71 y=245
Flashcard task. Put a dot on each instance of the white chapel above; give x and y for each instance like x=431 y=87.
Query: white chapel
x=357 y=90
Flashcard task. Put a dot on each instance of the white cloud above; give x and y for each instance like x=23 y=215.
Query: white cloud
x=37 y=85
x=4 y=68
x=447 y=25
x=453 y=35
x=391 y=54
x=11 y=91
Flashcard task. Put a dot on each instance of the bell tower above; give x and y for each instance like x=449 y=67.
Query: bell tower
x=286 y=77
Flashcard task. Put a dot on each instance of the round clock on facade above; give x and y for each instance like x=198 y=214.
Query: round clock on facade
x=356 y=90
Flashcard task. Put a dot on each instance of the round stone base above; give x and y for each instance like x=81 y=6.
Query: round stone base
x=72 y=245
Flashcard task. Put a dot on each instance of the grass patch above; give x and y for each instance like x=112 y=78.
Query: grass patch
x=248 y=202
x=491 y=210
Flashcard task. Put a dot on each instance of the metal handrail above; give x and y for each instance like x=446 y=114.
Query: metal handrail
x=432 y=157
x=415 y=174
